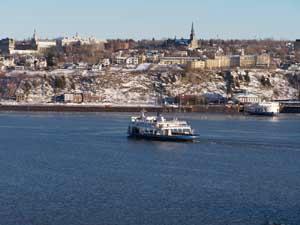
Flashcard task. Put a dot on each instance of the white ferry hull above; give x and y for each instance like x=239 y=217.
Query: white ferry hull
x=263 y=113
x=263 y=109
x=173 y=138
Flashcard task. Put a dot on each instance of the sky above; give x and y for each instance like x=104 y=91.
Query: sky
x=145 y=19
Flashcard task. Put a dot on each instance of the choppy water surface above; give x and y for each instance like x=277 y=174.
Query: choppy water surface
x=81 y=169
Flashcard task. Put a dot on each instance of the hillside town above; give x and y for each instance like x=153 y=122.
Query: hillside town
x=187 y=71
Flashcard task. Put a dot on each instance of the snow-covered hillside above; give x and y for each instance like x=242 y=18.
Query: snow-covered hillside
x=145 y=86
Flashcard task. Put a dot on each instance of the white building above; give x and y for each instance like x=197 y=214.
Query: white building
x=66 y=41
x=247 y=98
x=120 y=60
x=96 y=68
x=45 y=44
x=106 y=62
x=132 y=61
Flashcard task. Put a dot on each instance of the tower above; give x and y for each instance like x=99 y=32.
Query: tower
x=34 y=37
x=192 y=35
x=193 y=41
x=34 y=41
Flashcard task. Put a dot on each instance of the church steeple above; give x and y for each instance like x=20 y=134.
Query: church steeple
x=34 y=37
x=193 y=40
x=192 y=36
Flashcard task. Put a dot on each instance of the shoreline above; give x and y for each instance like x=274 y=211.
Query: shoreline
x=221 y=109
x=115 y=108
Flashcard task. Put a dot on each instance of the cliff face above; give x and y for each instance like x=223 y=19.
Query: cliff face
x=144 y=87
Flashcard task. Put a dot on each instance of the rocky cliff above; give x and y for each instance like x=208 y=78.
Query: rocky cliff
x=145 y=86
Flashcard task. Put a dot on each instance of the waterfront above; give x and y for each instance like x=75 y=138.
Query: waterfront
x=63 y=168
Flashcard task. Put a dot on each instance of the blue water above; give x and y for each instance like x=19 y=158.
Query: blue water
x=80 y=169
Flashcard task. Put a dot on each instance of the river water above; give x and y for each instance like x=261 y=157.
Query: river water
x=80 y=169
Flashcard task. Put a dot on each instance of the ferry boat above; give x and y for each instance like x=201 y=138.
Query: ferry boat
x=157 y=128
x=263 y=109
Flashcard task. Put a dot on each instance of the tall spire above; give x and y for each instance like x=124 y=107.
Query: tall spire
x=192 y=32
x=34 y=35
x=193 y=40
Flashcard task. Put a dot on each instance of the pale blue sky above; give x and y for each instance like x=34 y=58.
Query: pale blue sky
x=279 y=19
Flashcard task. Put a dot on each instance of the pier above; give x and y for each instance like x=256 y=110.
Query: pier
x=290 y=106
x=107 y=108
x=285 y=107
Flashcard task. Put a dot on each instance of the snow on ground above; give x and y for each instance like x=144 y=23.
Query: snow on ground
x=119 y=87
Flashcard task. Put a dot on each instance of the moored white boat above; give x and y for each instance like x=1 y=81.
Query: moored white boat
x=263 y=108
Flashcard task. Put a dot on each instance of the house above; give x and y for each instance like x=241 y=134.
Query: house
x=120 y=60
x=6 y=62
x=69 y=98
x=246 y=98
x=132 y=61
x=20 y=97
x=106 y=62
x=96 y=67
x=91 y=98
x=82 y=66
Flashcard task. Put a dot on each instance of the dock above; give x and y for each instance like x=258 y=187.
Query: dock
x=106 y=108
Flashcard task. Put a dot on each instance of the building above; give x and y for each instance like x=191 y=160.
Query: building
x=70 y=98
x=297 y=45
x=7 y=45
x=246 y=98
x=190 y=43
x=106 y=62
x=196 y=65
x=220 y=62
x=43 y=44
x=224 y=61
x=20 y=97
x=177 y=60
x=77 y=40
x=180 y=53
x=248 y=61
x=120 y=60
x=263 y=60
x=212 y=64
x=153 y=56
x=142 y=58
x=26 y=47
x=235 y=61
x=132 y=61
x=91 y=98
x=96 y=67
x=116 y=45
